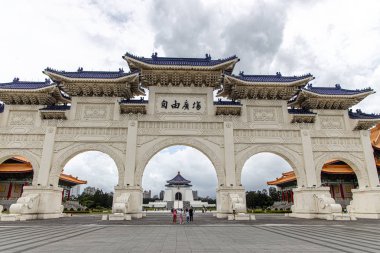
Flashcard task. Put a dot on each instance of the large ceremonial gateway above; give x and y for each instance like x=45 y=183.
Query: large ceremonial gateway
x=50 y=122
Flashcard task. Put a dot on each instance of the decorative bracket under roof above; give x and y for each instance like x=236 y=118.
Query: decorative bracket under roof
x=97 y=83
x=227 y=108
x=133 y=106
x=275 y=87
x=328 y=98
x=55 y=112
x=301 y=116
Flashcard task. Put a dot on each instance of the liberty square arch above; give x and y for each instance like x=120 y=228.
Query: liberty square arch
x=50 y=122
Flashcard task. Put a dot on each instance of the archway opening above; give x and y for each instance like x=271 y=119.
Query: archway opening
x=89 y=181
x=179 y=177
x=269 y=181
x=341 y=179
x=15 y=173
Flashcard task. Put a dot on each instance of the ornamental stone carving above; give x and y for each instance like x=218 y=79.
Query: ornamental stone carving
x=21 y=118
x=331 y=122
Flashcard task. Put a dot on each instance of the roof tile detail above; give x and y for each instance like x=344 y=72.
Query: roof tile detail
x=337 y=90
x=17 y=84
x=361 y=115
x=278 y=78
x=81 y=74
x=181 y=61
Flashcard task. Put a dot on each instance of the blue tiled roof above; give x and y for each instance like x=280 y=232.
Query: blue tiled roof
x=220 y=102
x=337 y=90
x=278 y=78
x=134 y=101
x=155 y=60
x=300 y=111
x=91 y=74
x=178 y=180
x=361 y=115
x=1 y=108
x=56 y=108
x=17 y=84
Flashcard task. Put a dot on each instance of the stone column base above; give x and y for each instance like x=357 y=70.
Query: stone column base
x=37 y=203
x=316 y=202
x=134 y=208
x=223 y=200
x=365 y=203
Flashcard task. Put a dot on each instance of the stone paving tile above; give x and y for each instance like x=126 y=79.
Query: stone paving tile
x=207 y=234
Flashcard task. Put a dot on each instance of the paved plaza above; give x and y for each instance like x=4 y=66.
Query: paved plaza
x=155 y=233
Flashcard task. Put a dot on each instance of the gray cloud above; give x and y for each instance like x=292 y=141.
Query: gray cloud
x=256 y=36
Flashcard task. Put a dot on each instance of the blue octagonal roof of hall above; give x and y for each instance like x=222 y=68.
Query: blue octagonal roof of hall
x=22 y=85
x=182 y=61
x=178 y=180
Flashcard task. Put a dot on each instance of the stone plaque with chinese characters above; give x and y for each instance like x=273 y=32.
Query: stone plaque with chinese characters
x=180 y=104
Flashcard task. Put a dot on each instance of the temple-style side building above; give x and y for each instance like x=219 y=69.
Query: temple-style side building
x=17 y=172
x=335 y=174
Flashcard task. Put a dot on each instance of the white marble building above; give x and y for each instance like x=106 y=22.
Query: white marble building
x=179 y=191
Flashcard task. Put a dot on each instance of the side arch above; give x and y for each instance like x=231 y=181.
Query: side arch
x=355 y=163
x=62 y=157
x=33 y=159
x=293 y=158
x=146 y=154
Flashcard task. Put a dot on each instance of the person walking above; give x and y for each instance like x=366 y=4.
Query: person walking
x=187 y=216
x=191 y=213
x=180 y=216
x=174 y=216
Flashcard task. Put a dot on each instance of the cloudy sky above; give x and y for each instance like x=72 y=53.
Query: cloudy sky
x=336 y=41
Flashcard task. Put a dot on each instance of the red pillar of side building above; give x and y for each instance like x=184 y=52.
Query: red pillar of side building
x=68 y=195
x=291 y=196
x=341 y=191
x=9 y=190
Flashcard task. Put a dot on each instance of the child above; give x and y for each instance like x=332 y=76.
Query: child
x=180 y=217
x=187 y=216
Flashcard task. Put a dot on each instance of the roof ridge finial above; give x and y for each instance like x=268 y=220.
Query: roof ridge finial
x=338 y=86
x=278 y=74
x=80 y=69
x=241 y=73
x=179 y=173
x=208 y=56
x=154 y=56
x=16 y=80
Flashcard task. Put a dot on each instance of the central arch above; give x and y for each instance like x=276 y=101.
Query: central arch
x=215 y=158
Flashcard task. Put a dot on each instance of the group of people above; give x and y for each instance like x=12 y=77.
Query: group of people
x=188 y=213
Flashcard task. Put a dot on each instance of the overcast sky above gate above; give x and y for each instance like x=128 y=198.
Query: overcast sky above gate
x=336 y=41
